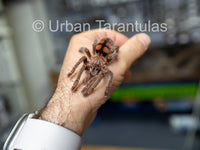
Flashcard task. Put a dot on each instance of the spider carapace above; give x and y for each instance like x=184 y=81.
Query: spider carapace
x=95 y=66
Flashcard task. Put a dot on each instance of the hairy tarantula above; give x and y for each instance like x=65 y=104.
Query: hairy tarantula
x=95 y=66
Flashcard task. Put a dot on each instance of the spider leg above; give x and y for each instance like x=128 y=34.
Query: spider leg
x=91 y=89
x=82 y=59
x=116 y=48
x=86 y=50
x=107 y=91
x=78 y=77
x=89 y=84
x=94 y=46
x=111 y=58
x=88 y=76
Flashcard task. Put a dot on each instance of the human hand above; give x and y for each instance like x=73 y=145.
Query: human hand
x=71 y=109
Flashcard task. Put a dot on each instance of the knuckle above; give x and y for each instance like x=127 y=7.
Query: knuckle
x=74 y=38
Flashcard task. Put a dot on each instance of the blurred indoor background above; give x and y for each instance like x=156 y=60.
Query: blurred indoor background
x=158 y=107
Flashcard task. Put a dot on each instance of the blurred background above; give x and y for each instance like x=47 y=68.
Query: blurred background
x=158 y=107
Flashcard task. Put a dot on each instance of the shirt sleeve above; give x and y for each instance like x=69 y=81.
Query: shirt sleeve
x=42 y=135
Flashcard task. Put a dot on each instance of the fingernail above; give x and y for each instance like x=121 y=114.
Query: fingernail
x=144 y=38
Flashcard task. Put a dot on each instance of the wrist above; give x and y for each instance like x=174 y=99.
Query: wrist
x=53 y=112
x=58 y=111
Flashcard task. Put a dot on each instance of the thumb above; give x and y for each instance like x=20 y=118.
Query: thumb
x=133 y=49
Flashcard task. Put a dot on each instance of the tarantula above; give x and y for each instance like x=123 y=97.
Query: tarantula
x=95 y=66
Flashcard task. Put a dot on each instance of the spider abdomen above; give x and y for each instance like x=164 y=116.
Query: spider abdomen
x=104 y=47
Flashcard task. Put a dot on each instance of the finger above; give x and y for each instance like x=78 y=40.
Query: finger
x=133 y=49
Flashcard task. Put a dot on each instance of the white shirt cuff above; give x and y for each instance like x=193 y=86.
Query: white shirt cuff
x=42 y=135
